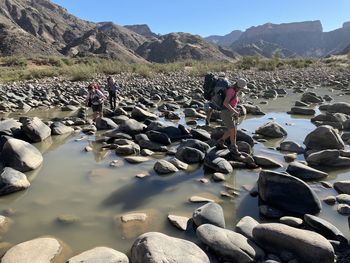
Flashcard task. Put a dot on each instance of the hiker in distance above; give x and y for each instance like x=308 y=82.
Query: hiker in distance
x=112 y=88
x=230 y=113
x=210 y=85
x=95 y=100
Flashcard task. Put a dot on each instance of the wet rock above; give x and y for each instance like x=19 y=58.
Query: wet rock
x=343 y=209
x=305 y=172
x=245 y=226
x=164 y=167
x=330 y=200
x=130 y=149
x=12 y=181
x=156 y=247
x=179 y=165
x=291 y=221
x=189 y=155
x=8 y=126
x=105 y=124
x=200 y=134
x=219 y=177
x=271 y=130
x=197 y=144
x=5 y=224
x=210 y=213
x=58 y=128
x=270 y=212
x=229 y=245
x=136 y=159
x=189 y=112
x=290 y=157
x=159 y=137
x=343 y=199
x=45 y=249
x=134 y=217
x=21 y=155
x=311 y=97
x=302 y=111
x=328 y=158
x=290 y=146
x=35 y=129
x=306 y=245
x=141 y=115
x=68 y=219
x=266 y=162
x=287 y=193
x=342 y=187
x=146 y=152
x=322 y=138
x=100 y=254
x=218 y=164
x=132 y=127
x=179 y=221
x=200 y=199
x=325 y=228
x=341 y=107
x=69 y=108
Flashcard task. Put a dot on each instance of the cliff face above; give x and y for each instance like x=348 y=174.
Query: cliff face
x=225 y=40
x=142 y=30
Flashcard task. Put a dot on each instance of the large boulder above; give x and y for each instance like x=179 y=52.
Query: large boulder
x=155 y=247
x=271 y=130
x=189 y=155
x=8 y=126
x=290 y=146
x=141 y=115
x=132 y=127
x=287 y=193
x=311 y=97
x=12 y=180
x=333 y=158
x=210 y=213
x=43 y=250
x=58 y=128
x=105 y=124
x=305 y=172
x=21 y=155
x=341 y=107
x=100 y=255
x=35 y=129
x=229 y=245
x=159 y=137
x=323 y=138
x=307 y=246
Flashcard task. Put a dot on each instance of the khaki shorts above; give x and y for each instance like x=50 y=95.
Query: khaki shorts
x=228 y=118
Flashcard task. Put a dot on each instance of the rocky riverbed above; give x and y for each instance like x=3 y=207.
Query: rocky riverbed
x=147 y=184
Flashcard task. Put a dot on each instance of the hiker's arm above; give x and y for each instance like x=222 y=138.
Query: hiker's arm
x=228 y=105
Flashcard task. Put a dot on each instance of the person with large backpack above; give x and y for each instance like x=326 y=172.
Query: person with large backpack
x=211 y=87
x=229 y=113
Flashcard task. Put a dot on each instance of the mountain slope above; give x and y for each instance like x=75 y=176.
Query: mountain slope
x=142 y=30
x=226 y=40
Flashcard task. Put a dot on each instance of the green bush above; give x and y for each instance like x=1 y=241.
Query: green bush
x=15 y=61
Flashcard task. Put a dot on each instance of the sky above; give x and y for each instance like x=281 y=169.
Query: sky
x=209 y=17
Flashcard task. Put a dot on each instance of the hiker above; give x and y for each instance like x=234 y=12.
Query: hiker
x=209 y=92
x=112 y=89
x=95 y=100
x=230 y=113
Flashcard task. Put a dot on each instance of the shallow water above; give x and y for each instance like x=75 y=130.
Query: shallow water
x=74 y=182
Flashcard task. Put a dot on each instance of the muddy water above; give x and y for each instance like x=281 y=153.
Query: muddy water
x=84 y=185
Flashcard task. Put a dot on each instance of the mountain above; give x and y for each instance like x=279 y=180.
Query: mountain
x=180 y=46
x=346 y=50
x=226 y=40
x=142 y=30
x=337 y=40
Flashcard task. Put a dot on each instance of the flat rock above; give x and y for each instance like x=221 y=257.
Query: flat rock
x=179 y=221
x=266 y=162
x=179 y=164
x=164 y=167
x=136 y=159
x=154 y=247
x=133 y=217
x=305 y=172
x=100 y=255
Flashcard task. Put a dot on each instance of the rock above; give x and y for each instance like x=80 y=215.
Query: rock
x=229 y=245
x=5 y=224
x=189 y=155
x=179 y=221
x=105 y=124
x=290 y=146
x=330 y=200
x=68 y=219
x=219 y=177
x=328 y=158
x=291 y=221
x=287 y=193
x=302 y=111
x=146 y=152
x=271 y=212
x=153 y=146
x=197 y=144
x=128 y=149
x=311 y=97
x=342 y=187
x=100 y=255
x=21 y=155
x=189 y=112
x=154 y=247
x=210 y=213
x=341 y=107
x=36 y=130
x=200 y=134
x=308 y=246
x=164 y=167
x=136 y=159
x=218 y=164
x=179 y=165
x=159 y=137
x=58 y=128
x=44 y=249
x=325 y=228
x=271 y=130
x=343 y=199
x=343 y=209
x=305 y=172
x=8 y=126
x=12 y=181
x=323 y=138
x=132 y=127
x=245 y=226
x=200 y=199
x=290 y=157
x=134 y=217
x=266 y=162
x=141 y=115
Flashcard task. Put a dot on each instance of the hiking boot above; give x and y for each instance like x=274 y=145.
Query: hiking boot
x=234 y=150
x=220 y=144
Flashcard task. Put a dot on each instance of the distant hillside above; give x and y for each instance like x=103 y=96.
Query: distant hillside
x=142 y=30
x=226 y=40
x=180 y=46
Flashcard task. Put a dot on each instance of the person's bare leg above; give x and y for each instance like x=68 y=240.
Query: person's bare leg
x=233 y=135
x=209 y=114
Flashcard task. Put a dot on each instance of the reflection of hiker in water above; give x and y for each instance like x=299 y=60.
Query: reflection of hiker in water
x=230 y=113
x=95 y=100
x=112 y=89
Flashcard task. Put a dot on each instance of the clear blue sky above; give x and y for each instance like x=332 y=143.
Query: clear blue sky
x=209 y=17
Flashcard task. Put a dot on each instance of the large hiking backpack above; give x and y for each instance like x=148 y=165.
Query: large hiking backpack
x=219 y=94
x=209 y=85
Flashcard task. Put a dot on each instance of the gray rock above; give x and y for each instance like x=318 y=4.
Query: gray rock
x=132 y=127
x=343 y=199
x=271 y=130
x=343 y=209
x=189 y=155
x=164 y=167
x=246 y=225
x=311 y=97
x=210 y=213
x=342 y=187
x=323 y=138
x=287 y=193
x=8 y=126
x=271 y=212
x=197 y=144
x=302 y=111
x=266 y=162
x=105 y=124
x=58 y=128
x=141 y=115
x=12 y=181
x=330 y=200
x=130 y=149
x=156 y=247
x=290 y=146
x=305 y=172
x=291 y=221
x=21 y=155
x=179 y=164
x=308 y=246
x=35 y=129
x=100 y=255
x=325 y=228
x=153 y=146
x=331 y=158
x=218 y=164
x=159 y=137
x=229 y=245
x=200 y=134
